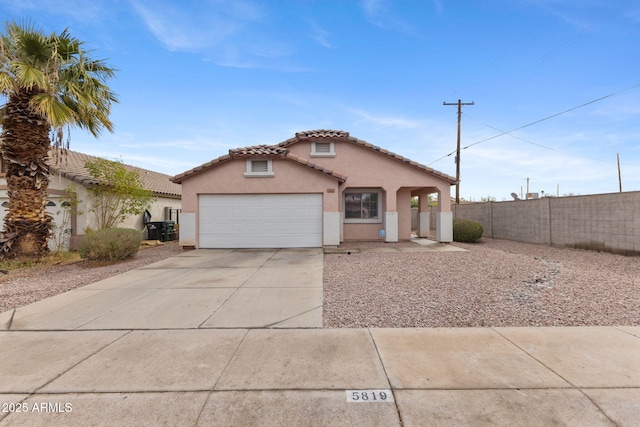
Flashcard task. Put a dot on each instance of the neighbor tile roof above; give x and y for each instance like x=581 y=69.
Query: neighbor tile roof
x=70 y=164
x=339 y=134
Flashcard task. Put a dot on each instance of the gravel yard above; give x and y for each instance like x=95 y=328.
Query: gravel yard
x=495 y=283
x=22 y=288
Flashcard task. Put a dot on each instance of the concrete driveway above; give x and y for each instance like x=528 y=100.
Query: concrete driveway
x=243 y=288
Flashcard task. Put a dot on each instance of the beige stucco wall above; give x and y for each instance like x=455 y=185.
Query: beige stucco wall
x=86 y=219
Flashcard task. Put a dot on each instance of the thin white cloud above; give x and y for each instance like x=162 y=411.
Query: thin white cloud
x=319 y=35
x=384 y=121
x=573 y=12
x=373 y=8
x=380 y=14
x=78 y=9
x=181 y=30
x=229 y=33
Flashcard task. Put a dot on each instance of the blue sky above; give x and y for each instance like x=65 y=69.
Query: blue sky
x=197 y=78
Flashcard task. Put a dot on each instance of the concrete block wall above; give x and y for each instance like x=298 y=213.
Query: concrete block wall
x=602 y=222
x=480 y=212
x=524 y=220
x=432 y=217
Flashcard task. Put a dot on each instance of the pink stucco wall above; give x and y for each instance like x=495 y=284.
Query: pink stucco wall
x=228 y=178
x=368 y=169
x=364 y=169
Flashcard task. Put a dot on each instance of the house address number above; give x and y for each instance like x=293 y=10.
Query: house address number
x=369 y=396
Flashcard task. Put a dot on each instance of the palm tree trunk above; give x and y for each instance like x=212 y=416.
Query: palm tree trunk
x=25 y=145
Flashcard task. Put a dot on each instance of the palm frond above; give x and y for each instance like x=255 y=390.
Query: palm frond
x=29 y=76
x=57 y=113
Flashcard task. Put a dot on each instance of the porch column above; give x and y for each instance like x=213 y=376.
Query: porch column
x=444 y=217
x=444 y=227
x=423 y=215
x=331 y=230
x=391 y=227
x=187 y=229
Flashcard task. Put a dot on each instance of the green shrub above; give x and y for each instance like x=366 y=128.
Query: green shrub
x=110 y=244
x=467 y=231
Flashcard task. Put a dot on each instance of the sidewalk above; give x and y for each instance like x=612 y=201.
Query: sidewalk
x=501 y=376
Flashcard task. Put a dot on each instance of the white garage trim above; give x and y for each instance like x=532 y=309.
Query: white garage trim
x=260 y=220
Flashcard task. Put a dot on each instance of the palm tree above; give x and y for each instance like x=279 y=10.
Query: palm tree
x=50 y=84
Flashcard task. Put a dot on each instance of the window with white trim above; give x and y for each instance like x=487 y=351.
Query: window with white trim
x=362 y=206
x=259 y=168
x=322 y=149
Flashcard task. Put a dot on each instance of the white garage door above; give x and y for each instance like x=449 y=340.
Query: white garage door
x=261 y=221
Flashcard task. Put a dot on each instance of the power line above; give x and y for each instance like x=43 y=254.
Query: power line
x=555 y=115
x=518 y=137
x=542 y=120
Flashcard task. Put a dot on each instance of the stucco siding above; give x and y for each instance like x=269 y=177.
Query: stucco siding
x=228 y=178
x=366 y=168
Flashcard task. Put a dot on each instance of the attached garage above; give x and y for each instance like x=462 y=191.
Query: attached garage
x=260 y=220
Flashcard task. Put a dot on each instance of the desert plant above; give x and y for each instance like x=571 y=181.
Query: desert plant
x=110 y=244
x=120 y=192
x=467 y=231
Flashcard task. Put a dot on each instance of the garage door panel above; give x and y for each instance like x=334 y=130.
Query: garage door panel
x=262 y=220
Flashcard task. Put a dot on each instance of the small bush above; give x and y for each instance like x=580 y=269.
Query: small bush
x=467 y=231
x=110 y=244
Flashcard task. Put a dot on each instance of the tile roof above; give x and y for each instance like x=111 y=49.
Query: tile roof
x=322 y=133
x=260 y=150
x=71 y=165
x=307 y=163
x=281 y=150
x=339 y=134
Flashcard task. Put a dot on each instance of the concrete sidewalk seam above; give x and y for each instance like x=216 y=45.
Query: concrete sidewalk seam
x=124 y=304
x=535 y=358
x=200 y=326
x=618 y=328
x=386 y=375
x=36 y=391
x=292 y=317
x=594 y=403
x=226 y=366
x=13 y=313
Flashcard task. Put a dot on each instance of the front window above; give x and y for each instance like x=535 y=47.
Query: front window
x=362 y=206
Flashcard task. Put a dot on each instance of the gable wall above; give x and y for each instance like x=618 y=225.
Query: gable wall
x=228 y=178
x=366 y=168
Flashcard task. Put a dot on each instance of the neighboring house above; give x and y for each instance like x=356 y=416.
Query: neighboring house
x=68 y=171
x=317 y=189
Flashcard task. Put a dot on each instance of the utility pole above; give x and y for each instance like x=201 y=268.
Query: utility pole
x=619 y=174
x=459 y=104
